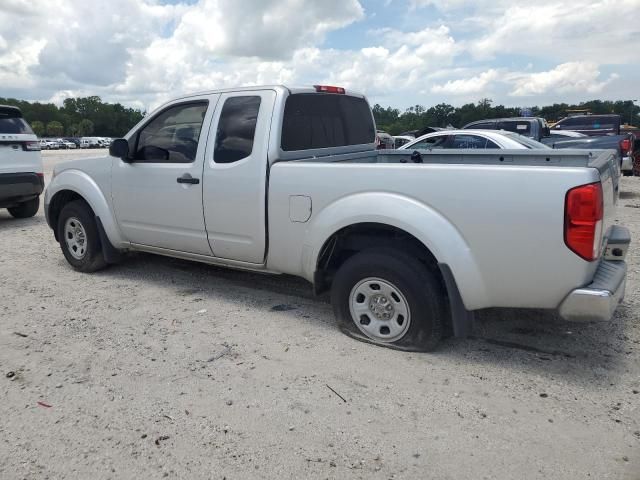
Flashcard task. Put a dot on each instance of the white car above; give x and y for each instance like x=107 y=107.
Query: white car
x=473 y=139
x=21 y=173
x=52 y=145
x=288 y=180
x=400 y=140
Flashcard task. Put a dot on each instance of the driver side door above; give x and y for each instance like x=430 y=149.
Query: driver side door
x=157 y=192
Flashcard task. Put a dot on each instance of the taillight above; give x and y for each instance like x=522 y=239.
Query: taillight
x=329 y=89
x=583 y=213
x=31 y=146
x=625 y=146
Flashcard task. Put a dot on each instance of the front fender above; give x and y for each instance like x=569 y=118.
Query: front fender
x=85 y=186
x=429 y=226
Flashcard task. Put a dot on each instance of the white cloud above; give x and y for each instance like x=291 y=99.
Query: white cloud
x=477 y=84
x=142 y=52
x=570 y=77
x=577 y=30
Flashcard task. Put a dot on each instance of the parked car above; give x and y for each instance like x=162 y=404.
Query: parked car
x=52 y=144
x=384 y=141
x=592 y=125
x=65 y=144
x=535 y=128
x=288 y=180
x=89 y=142
x=473 y=139
x=44 y=145
x=532 y=127
x=399 y=140
x=21 y=173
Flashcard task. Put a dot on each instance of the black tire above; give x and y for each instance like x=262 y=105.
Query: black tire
x=627 y=173
x=26 y=209
x=88 y=257
x=416 y=284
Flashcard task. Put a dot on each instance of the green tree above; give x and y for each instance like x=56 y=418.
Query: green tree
x=55 y=129
x=38 y=128
x=73 y=130
x=85 y=127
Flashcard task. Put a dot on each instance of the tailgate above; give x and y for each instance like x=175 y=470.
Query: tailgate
x=607 y=165
x=14 y=156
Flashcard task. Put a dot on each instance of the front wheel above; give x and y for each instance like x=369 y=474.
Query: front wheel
x=78 y=236
x=25 y=210
x=389 y=298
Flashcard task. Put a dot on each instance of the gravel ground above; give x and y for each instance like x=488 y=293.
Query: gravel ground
x=161 y=368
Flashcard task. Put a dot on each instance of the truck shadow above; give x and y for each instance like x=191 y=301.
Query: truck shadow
x=628 y=195
x=7 y=222
x=541 y=340
x=532 y=339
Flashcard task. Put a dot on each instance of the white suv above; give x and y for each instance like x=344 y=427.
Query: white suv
x=21 y=175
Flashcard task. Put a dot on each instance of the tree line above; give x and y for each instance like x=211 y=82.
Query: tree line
x=77 y=117
x=393 y=121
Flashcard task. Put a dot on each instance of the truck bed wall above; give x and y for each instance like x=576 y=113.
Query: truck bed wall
x=499 y=227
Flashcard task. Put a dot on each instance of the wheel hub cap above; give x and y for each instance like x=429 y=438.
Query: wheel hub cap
x=379 y=310
x=75 y=238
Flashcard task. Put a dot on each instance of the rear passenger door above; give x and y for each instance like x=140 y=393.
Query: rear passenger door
x=235 y=176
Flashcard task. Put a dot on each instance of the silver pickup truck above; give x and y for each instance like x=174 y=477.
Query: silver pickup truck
x=287 y=180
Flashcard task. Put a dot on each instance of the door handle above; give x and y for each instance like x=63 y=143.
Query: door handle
x=186 y=178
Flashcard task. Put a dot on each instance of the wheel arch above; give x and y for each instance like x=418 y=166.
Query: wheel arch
x=399 y=222
x=71 y=185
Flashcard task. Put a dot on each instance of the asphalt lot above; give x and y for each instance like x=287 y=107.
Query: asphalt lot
x=162 y=368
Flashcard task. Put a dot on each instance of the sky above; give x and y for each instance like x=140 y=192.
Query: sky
x=399 y=53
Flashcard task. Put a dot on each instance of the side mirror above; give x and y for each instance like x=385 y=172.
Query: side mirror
x=119 y=148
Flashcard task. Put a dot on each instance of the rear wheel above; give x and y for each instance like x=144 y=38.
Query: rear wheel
x=26 y=209
x=78 y=236
x=389 y=298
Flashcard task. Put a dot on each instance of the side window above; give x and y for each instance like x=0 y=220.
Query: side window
x=468 y=141
x=490 y=144
x=236 y=129
x=570 y=123
x=431 y=142
x=172 y=136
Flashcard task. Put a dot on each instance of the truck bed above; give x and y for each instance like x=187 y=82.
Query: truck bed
x=488 y=208
x=562 y=158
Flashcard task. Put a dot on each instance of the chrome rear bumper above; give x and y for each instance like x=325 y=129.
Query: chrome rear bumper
x=599 y=300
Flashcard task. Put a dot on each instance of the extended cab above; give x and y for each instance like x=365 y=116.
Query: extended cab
x=410 y=243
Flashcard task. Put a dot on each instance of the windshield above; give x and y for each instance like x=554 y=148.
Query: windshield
x=526 y=141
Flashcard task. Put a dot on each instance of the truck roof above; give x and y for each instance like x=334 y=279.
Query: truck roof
x=278 y=88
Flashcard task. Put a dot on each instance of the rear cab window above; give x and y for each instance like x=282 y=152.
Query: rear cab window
x=520 y=127
x=11 y=122
x=318 y=121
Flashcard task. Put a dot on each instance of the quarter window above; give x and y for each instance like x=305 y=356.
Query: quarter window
x=236 y=129
x=469 y=141
x=172 y=136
